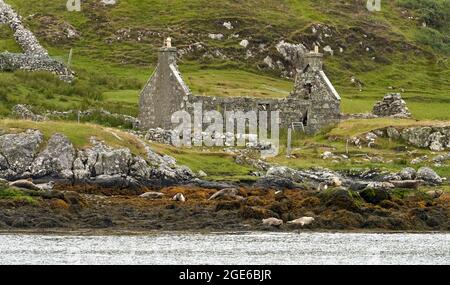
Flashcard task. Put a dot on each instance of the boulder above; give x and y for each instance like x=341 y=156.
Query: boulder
x=375 y=196
x=56 y=159
x=437 y=141
x=419 y=137
x=304 y=221
x=274 y=183
x=429 y=175
x=407 y=173
x=272 y=222
x=20 y=149
x=342 y=199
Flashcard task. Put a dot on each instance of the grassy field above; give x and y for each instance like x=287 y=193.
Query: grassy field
x=112 y=64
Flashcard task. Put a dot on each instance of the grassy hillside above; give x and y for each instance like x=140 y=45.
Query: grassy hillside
x=115 y=50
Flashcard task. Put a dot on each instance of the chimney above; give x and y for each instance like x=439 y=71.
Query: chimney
x=167 y=54
x=314 y=59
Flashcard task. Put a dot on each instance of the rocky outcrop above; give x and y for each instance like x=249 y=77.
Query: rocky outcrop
x=392 y=105
x=435 y=137
x=35 y=57
x=56 y=160
x=18 y=152
x=21 y=157
x=293 y=54
x=317 y=175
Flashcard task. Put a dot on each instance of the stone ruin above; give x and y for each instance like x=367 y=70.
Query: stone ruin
x=34 y=56
x=392 y=105
x=313 y=103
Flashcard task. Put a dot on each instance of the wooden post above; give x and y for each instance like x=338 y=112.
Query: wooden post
x=69 y=60
x=289 y=143
x=346 y=146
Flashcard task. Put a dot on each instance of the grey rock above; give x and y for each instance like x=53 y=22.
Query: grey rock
x=19 y=150
x=56 y=159
x=407 y=173
x=275 y=183
x=419 y=137
x=429 y=175
x=437 y=141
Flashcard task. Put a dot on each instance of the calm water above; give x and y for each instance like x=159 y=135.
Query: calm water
x=248 y=248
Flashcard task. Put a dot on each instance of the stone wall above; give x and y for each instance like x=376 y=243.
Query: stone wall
x=34 y=56
x=314 y=101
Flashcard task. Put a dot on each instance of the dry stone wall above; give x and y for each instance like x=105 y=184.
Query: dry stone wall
x=34 y=56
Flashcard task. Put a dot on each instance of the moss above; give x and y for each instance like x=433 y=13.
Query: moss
x=17 y=196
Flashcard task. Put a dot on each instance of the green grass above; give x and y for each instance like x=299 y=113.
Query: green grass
x=78 y=134
x=16 y=195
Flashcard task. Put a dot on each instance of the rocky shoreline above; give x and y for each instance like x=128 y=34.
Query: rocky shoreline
x=50 y=184
x=248 y=208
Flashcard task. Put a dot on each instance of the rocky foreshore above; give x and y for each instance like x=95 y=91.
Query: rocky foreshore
x=248 y=208
x=51 y=184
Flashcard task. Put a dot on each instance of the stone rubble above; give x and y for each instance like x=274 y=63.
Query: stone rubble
x=392 y=105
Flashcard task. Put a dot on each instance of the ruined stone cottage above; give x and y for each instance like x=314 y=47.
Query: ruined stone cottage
x=312 y=105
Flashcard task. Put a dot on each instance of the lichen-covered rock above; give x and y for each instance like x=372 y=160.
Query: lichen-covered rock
x=292 y=53
x=392 y=105
x=19 y=150
x=407 y=173
x=419 y=137
x=429 y=175
x=326 y=176
x=437 y=141
x=56 y=159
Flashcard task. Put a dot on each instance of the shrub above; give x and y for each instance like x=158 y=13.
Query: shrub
x=436 y=13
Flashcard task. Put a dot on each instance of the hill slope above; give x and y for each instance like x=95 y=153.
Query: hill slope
x=115 y=50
